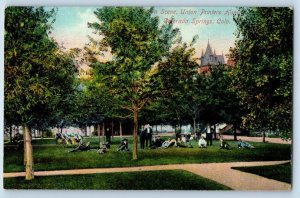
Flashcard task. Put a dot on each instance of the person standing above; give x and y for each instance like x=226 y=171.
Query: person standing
x=148 y=135
x=143 y=138
x=208 y=135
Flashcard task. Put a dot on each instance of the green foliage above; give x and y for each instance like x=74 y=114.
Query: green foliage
x=136 y=42
x=263 y=75
x=39 y=78
x=176 y=76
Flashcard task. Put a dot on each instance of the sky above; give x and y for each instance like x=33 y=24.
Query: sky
x=208 y=23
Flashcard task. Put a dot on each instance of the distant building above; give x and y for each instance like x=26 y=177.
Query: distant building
x=209 y=59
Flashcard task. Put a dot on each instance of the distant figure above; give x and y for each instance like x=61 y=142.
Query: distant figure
x=108 y=135
x=82 y=147
x=224 y=145
x=60 y=138
x=197 y=136
x=202 y=143
x=102 y=149
x=242 y=144
x=18 y=140
x=148 y=135
x=78 y=138
x=208 y=135
x=158 y=142
x=169 y=143
x=143 y=139
x=124 y=145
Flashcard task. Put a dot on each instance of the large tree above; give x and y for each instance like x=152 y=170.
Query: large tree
x=38 y=75
x=136 y=42
x=177 y=74
x=263 y=73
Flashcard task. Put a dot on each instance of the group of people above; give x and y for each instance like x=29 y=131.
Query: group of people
x=225 y=145
x=157 y=142
x=66 y=138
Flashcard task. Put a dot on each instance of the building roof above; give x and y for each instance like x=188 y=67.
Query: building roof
x=210 y=57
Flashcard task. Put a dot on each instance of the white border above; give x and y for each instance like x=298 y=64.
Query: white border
x=146 y=194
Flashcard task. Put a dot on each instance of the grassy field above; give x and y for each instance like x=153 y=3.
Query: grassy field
x=277 y=172
x=49 y=156
x=148 y=180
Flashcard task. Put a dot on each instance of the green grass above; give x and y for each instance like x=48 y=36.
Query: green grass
x=148 y=180
x=281 y=172
x=49 y=156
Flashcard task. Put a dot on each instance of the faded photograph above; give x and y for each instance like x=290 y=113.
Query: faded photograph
x=148 y=98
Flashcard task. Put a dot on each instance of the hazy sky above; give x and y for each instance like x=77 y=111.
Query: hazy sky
x=213 y=23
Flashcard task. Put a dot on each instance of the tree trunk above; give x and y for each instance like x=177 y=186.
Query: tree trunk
x=155 y=128
x=10 y=133
x=135 y=130
x=179 y=128
x=194 y=120
x=112 y=129
x=29 y=174
x=24 y=141
x=264 y=136
x=42 y=133
x=234 y=132
x=121 y=131
x=98 y=130
x=103 y=131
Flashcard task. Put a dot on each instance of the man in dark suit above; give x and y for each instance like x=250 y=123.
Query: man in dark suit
x=148 y=135
x=143 y=138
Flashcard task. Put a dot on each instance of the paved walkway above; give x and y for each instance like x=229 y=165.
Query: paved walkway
x=257 y=139
x=219 y=172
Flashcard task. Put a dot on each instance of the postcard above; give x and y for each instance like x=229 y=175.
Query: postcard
x=148 y=98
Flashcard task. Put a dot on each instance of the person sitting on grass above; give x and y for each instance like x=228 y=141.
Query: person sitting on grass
x=224 y=145
x=124 y=145
x=102 y=149
x=18 y=140
x=82 y=147
x=202 y=143
x=183 y=145
x=169 y=143
x=242 y=144
x=78 y=138
x=158 y=142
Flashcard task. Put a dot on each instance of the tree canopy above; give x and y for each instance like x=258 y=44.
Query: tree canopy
x=137 y=43
x=263 y=74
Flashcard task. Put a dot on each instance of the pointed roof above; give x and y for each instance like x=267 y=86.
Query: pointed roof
x=214 y=51
x=208 y=50
x=202 y=53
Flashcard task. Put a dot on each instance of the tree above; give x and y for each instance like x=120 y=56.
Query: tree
x=263 y=73
x=136 y=43
x=37 y=75
x=177 y=75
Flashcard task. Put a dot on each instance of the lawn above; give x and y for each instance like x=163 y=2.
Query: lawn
x=281 y=172
x=49 y=156
x=148 y=180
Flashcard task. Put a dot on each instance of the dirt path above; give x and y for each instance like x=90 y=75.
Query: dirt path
x=219 y=172
x=257 y=139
